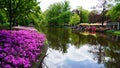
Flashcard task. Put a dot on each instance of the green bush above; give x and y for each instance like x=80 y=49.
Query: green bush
x=4 y=25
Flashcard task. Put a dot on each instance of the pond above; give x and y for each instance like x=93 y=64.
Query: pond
x=72 y=49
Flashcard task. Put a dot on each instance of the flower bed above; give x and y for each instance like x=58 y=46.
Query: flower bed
x=19 y=48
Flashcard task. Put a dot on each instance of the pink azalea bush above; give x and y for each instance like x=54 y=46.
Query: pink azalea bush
x=19 y=48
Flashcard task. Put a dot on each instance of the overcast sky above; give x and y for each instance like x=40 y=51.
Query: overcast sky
x=87 y=4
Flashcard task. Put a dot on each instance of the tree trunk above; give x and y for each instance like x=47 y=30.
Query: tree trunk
x=103 y=15
x=10 y=14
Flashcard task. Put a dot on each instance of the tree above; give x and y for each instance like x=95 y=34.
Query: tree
x=83 y=14
x=94 y=16
x=20 y=10
x=74 y=19
x=103 y=6
x=114 y=12
x=58 y=13
x=3 y=16
x=43 y=21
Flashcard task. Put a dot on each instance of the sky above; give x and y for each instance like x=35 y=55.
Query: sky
x=86 y=4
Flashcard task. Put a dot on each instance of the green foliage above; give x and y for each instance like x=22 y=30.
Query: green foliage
x=74 y=19
x=22 y=11
x=3 y=16
x=113 y=32
x=43 y=21
x=4 y=25
x=58 y=13
x=83 y=14
x=114 y=0
x=114 y=12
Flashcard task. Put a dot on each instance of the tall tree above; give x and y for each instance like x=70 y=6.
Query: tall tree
x=94 y=16
x=114 y=12
x=19 y=10
x=103 y=6
x=58 y=13
x=75 y=19
x=83 y=15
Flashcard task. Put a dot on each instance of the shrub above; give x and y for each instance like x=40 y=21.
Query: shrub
x=19 y=48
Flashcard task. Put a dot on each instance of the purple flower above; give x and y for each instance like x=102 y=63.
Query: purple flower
x=9 y=58
x=20 y=47
x=2 y=55
x=7 y=66
x=6 y=45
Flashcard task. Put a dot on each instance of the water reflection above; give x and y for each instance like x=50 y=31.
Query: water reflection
x=113 y=52
x=74 y=58
x=70 y=49
x=58 y=38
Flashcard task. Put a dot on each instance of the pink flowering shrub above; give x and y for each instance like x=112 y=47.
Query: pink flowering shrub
x=19 y=48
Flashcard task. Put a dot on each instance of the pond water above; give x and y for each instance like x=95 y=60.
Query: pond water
x=72 y=49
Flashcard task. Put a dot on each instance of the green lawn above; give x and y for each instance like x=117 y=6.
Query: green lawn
x=116 y=32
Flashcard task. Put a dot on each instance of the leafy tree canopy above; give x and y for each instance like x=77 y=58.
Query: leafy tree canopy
x=75 y=19
x=114 y=12
x=20 y=11
x=58 y=13
x=83 y=14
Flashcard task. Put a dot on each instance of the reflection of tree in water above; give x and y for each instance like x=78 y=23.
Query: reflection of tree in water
x=79 y=39
x=107 y=48
x=58 y=38
x=102 y=46
x=96 y=43
x=98 y=48
x=98 y=53
x=113 y=52
x=114 y=37
x=75 y=39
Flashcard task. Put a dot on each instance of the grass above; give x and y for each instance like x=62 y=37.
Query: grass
x=116 y=32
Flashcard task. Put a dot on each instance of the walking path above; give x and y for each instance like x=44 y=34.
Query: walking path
x=25 y=28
